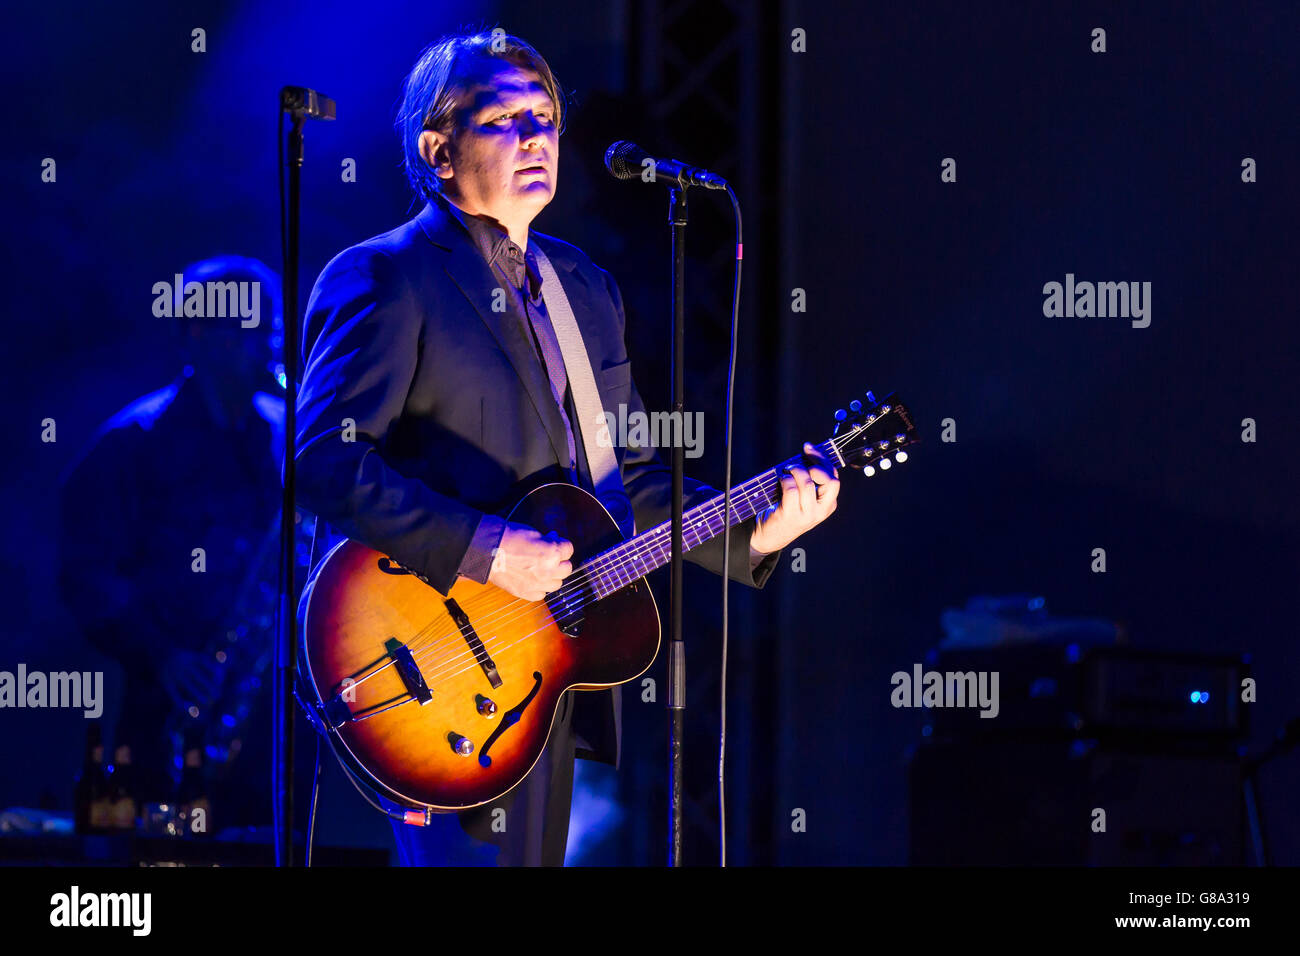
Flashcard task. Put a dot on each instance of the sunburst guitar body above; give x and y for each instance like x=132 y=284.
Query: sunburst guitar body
x=450 y=699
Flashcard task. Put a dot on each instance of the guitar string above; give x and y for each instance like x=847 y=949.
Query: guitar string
x=605 y=564
x=601 y=563
x=443 y=676
x=454 y=639
x=611 y=562
x=500 y=654
x=709 y=511
x=601 y=566
x=612 y=566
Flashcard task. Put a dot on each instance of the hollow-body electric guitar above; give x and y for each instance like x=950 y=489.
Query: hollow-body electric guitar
x=440 y=703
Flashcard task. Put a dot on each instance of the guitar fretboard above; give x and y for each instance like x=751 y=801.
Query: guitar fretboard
x=632 y=560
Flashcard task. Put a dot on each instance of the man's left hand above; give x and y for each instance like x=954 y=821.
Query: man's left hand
x=808 y=496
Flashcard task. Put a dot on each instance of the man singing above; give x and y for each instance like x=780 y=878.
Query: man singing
x=434 y=345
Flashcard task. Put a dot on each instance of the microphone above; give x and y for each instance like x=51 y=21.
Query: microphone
x=626 y=160
x=309 y=103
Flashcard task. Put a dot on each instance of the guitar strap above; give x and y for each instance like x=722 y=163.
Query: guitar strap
x=602 y=464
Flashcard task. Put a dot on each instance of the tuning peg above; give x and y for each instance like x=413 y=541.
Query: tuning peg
x=871 y=397
x=840 y=415
x=855 y=406
x=900 y=456
x=869 y=470
x=885 y=464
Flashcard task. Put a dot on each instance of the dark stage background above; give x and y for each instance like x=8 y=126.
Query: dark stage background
x=1071 y=433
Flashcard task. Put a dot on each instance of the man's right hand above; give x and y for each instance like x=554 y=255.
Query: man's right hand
x=528 y=564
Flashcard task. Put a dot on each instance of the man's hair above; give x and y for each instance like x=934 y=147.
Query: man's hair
x=433 y=87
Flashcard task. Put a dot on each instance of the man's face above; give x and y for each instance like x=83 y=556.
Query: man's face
x=502 y=157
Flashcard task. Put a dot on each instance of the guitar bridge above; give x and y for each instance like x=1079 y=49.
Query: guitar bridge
x=475 y=644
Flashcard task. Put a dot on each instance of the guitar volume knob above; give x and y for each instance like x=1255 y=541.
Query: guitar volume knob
x=461 y=744
x=486 y=706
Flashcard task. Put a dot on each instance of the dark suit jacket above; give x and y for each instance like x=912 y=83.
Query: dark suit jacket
x=452 y=411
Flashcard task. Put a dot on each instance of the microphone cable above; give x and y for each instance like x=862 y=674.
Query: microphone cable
x=726 y=534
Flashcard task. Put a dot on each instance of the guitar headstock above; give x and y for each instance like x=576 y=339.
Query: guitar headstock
x=873 y=436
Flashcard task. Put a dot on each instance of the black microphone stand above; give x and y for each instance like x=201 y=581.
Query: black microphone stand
x=288 y=651
x=623 y=159
x=300 y=104
x=677 y=218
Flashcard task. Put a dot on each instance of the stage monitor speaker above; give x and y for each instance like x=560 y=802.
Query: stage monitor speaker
x=1035 y=801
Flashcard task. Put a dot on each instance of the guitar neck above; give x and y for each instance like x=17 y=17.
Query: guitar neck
x=634 y=559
